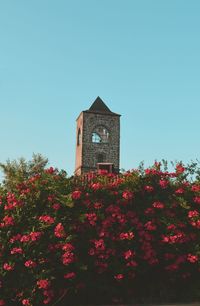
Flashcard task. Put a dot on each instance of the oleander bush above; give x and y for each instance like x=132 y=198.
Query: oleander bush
x=101 y=238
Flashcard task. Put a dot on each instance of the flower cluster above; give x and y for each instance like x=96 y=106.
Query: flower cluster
x=60 y=237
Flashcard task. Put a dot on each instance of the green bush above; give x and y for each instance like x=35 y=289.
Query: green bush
x=101 y=238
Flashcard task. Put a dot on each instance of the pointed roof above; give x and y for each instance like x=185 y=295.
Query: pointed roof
x=99 y=106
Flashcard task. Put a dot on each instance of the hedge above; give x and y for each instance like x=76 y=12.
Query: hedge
x=101 y=238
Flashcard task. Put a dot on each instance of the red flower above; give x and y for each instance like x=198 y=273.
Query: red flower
x=192 y=258
x=2 y=303
x=196 y=188
x=158 y=205
x=196 y=200
x=8 y=267
x=163 y=184
x=26 y=302
x=179 y=191
x=68 y=258
x=126 y=236
x=16 y=251
x=47 y=219
x=119 y=277
x=150 y=226
x=59 y=231
x=30 y=264
x=76 y=195
x=8 y=220
x=56 y=206
x=92 y=218
x=148 y=188
x=128 y=254
x=193 y=213
x=96 y=186
x=43 y=283
x=179 y=168
x=127 y=195
x=70 y=275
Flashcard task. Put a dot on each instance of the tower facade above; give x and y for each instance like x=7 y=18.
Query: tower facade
x=97 y=139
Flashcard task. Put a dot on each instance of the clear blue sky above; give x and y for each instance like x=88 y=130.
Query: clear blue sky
x=141 y=57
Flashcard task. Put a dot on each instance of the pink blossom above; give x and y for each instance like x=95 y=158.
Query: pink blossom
x=158 y=205
x=70 y=275
x=30 y=264
x=8 y=267
x=76 y=195
x=16 y=251
x=59 y=231
x=163 y=184
x=127 y=195
x=196 y=200
x=148 y=188
x=26 y=302
x=43 y=283
x=192 y=258
x=119 y=277
x=47 y=219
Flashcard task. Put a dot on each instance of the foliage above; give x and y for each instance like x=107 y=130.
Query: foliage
x=101 y=238
x=17 y=171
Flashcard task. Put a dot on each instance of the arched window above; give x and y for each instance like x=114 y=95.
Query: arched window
x=79 y=137
x=96 y=138
x=100 y=134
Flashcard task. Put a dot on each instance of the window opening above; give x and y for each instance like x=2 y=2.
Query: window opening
x=96 y=138
x=79 y=137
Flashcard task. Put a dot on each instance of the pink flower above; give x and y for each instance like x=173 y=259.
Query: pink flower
x=26 y=302
x=127 y=195
x=96 y=186
x=8 y=267
x=158 y=205
x=70 y=275
x=99 y=244
x=59 y=231
x=150 y=226
x=76 y=195
x=30 y=264
x=35 y=236
x=16 y=251
x=163 y=184
x=56 y=206
x=47 y=219
x=196 y=200
x=126 y=236
x=8 y=220
x=43 y=283
x=68 y=247
x=68 y=258
x=192 y=258
x=196 y=188
x=92 y=218
x=179 y=191
x=128 y=254
x=179 y=168
x=2 y=303
x=119 y=277
x=193 y=213
x=148 y=188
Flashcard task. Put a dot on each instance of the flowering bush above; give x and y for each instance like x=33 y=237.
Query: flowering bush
x=108 y=238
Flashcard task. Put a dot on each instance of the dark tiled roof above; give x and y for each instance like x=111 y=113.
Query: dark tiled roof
x=99 y=106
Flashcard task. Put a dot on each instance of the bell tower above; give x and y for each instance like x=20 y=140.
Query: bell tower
x=97 y=139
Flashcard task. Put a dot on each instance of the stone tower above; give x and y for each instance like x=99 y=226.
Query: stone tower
x=97 y=139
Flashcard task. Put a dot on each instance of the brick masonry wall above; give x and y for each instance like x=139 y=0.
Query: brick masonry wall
x=110 y=150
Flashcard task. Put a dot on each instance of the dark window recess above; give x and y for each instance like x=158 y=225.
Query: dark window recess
x=79 y=137
x=100 y=158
